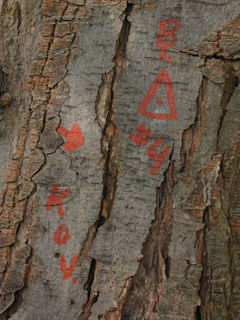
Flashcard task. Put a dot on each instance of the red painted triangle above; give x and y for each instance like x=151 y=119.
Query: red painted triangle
x=162 y=77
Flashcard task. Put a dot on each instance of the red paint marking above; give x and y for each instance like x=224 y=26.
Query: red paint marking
x=74 y=280
x=142 y=136
x=67 y=272
x=62 y=235
x=157 y=158
x=163 y=76
x=55 y=199
x=162 y=41
x=74 y=137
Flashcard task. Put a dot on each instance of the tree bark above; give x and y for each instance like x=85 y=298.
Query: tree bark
x=120 y=159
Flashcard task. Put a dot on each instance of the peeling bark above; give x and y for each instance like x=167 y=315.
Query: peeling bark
x=31 y=155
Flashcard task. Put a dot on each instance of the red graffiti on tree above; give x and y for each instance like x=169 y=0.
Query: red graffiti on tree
x=142 y=136
x=157 y=158
x=162 y=77
x=163 y=40
x=67 y=271
x=55 y=199
x=61 y=235
x=74 y=137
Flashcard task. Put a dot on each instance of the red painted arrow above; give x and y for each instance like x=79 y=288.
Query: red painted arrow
x=74 y=137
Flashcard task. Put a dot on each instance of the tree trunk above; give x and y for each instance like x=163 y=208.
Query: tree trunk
x=120 y=159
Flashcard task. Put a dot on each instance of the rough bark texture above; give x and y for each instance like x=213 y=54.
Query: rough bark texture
x=146 y=246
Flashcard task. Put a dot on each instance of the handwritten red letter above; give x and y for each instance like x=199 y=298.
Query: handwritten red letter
x=162 y=41
x=163 y=76
x=157 y=158
x=142 y=135
x=55 y=198
x=62 y=235
x=67 y=272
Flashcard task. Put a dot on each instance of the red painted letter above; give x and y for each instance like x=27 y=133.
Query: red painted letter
x=162 y=41
x=55 y=199
x=142 y=135
x=163 y=76
x=67 y=272
x=62 y=235
x=157 y=158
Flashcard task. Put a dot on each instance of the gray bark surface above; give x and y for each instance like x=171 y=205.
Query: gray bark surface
x=148 y=246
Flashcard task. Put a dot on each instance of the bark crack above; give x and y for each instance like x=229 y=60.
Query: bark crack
x=210 y=220
x=155 y=266
x=230 y=84
x=104 y=107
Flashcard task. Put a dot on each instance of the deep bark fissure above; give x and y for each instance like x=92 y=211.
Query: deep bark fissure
x=110 y=131
x=204 y=310
x=89 y=282
x=109 y=146
x=204 y=288
x=191 y=134
x=156 y=263
x=230 y=84
x=197 y=314
x=232 y=268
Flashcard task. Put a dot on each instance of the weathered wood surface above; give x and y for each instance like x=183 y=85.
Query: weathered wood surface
x=143 y=243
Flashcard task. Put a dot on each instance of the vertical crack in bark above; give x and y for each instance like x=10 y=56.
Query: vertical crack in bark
x=191 y=136
x=155 y=267
x=143 y=294
x=207 y=306
x=109 y=146
x=229 y=156
x=190 y=140
x=204 y=288
x=230 y=84
x=232 y=218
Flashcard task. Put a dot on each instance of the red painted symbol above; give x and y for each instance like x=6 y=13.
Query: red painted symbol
x=74 y=137
x=55 y=199
x=67 y=272
x=74 y=280
x=163 y=76
x=62 y=235
x=162 y=41
x=157 y=158
x=142 y=136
